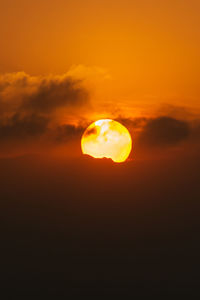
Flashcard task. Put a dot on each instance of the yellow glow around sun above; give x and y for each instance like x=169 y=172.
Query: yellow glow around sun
x=107 y=138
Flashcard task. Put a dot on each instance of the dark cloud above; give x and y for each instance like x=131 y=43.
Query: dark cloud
x=132 y=123
x=40 y=94
x=91 y=131
x=55 y=93
x=64 y=133
x=164 y=131
x=28 y=106
x=22 y=127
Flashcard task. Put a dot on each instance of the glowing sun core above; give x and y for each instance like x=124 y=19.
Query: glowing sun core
x=107 y=138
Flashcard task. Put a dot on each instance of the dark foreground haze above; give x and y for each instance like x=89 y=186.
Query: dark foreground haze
x=92 y=227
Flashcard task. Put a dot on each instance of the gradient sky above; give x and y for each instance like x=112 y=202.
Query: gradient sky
x=149 y=49
x=68 y=63
x=75 y=225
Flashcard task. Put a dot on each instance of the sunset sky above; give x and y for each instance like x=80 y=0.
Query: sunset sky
x=138 y=54
x=124 y=59
x=92 y=224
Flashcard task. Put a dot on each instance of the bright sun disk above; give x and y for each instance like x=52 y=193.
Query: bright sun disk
x=107 y=138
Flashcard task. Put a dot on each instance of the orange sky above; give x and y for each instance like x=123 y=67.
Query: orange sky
x=66 y=63
x=148 y=49
x=75 y=225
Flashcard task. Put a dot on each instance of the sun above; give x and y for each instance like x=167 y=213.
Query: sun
x=107 y=138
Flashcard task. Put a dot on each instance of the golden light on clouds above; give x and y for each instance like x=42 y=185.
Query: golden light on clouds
x=107 y=138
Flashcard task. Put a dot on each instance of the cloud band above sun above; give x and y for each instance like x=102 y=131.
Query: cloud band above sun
x=53 y=110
